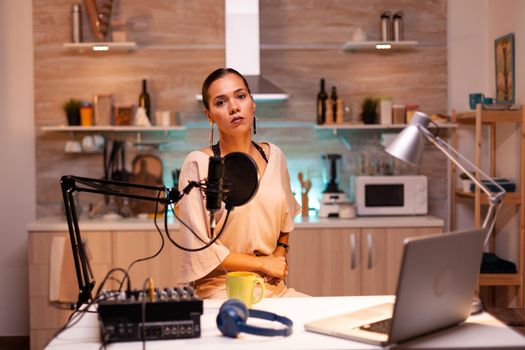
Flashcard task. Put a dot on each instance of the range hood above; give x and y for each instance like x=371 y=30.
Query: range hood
x=243 y=48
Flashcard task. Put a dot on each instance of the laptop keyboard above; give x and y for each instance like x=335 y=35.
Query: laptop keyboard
x=382 y=326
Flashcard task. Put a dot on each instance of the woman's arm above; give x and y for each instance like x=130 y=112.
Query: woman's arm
x=280 y=250
x=274 y=266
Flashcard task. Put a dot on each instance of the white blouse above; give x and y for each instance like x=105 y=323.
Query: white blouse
x=255 y=226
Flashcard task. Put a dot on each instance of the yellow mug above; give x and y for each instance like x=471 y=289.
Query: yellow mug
x=243 y=286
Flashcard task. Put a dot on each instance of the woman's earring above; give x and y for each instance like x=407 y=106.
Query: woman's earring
x=254 y=125
x=211 y=134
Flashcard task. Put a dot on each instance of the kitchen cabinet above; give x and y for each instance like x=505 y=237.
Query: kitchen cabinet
x=46 y=318
x=324 y=261
x=348 y=261
x=493 y=118
x=107 y=249
x=163 y=269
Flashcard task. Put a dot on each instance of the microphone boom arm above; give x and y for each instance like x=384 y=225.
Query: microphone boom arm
x=72 y=184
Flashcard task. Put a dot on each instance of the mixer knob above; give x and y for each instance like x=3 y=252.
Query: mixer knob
x=189 y=291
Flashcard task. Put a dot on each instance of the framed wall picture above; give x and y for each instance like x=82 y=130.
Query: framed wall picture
x=504 y=59
x=124 y=115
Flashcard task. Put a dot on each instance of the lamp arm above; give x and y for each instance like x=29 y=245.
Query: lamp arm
x=451 y=154
x=495 y=198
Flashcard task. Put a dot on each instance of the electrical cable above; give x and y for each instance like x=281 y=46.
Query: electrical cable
x=143 y=314
x=160 y=234
x=104 y=342
x=77 y=315
x=126 y=277
x=198 y=237
x=185 y=225
x=158 y=251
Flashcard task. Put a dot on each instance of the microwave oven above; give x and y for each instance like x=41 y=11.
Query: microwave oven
x=391 y=195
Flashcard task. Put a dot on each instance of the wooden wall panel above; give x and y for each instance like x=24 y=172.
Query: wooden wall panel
x=161 y=22
x=408 y=77
x=148 y=22
x=332 y=22
x=174 y=77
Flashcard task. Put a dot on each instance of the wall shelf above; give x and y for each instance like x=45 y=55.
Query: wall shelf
x=504 y=279
x=112 y=128
x=377 y=127
x=510 y=197
x=261 y=124
x=378 y=45
x=136 y=134
x=489 y=116
x=494 y=117
x=101 y=46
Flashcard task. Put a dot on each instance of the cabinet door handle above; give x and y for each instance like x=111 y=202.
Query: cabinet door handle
x=353 y=244
x=370 y=242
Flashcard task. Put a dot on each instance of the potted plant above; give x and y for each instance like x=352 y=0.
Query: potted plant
x=369 y=110
x=72 y=109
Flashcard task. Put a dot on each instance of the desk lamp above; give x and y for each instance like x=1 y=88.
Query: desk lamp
x=408 y=146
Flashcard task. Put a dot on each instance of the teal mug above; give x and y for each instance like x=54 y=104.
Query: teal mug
x=475 y=98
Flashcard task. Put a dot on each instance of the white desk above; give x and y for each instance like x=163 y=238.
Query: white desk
x=478 y=332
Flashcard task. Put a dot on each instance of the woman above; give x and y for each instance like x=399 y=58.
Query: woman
x=255 y=237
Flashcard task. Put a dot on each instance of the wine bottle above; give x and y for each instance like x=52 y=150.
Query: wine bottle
x=321 y=104
x=333 y=98
x=144 y=100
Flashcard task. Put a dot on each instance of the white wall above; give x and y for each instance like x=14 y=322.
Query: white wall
x=468 y=51
x=506 y=16
x=17 y=161
x=467 y=42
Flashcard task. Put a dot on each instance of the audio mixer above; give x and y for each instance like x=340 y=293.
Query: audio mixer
x=155 y=314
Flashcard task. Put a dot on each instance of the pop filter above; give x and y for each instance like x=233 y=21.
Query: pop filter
x=241 y=177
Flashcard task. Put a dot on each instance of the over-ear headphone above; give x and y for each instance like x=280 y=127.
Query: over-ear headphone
x=233 y=314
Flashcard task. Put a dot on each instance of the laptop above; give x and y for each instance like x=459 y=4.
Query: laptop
x=435 y=289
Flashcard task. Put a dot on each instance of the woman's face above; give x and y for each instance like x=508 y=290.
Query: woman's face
x=230 y=105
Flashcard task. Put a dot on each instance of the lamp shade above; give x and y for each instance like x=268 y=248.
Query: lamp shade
x=409 y=144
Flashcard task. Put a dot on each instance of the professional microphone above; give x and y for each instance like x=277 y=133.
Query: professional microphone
x=214 y=187
x=233 y=180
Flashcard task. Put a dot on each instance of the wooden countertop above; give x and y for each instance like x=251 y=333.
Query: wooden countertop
x=135 y=224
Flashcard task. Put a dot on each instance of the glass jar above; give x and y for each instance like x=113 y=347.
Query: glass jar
x=86 y=114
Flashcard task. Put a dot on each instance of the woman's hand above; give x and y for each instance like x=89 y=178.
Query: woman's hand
x=274 y=266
